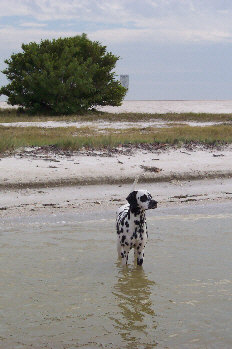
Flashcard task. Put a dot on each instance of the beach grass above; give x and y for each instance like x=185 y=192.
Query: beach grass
x=71 y=138
x=12 y=115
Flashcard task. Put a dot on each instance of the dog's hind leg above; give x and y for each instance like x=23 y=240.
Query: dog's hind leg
x=124 y=258
x=124 y=255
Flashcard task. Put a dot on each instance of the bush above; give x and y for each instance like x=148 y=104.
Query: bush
x=62 y=76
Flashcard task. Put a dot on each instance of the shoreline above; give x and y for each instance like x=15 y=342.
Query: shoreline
x=105 y=197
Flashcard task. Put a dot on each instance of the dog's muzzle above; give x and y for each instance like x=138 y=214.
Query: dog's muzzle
x=152 y=204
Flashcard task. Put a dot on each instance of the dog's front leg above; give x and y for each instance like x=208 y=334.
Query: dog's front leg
x=124 y=256
x=119 y=249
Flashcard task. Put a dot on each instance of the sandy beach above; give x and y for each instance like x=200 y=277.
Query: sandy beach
x=35 y=167
x=34 y=181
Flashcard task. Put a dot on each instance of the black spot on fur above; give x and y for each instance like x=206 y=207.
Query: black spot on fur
x=135 y=210
x=143 y=198
x=127 y=224
x=123 y=238
x=136 y=222
x=132 y=199
x=123 y=220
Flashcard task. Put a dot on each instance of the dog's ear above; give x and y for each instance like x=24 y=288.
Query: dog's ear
x=131 y=198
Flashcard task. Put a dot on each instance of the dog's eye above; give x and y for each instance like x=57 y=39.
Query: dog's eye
x=143 y=198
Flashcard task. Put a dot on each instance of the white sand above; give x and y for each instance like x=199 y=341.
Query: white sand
x=33 y=183
x=28 y=169
x=103 y=125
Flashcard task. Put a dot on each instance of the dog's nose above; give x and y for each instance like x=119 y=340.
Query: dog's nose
x=153 y=204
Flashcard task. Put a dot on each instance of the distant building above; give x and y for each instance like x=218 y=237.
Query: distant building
x=124 y=80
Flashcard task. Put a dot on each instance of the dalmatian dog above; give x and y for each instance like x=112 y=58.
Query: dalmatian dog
x=131 y=225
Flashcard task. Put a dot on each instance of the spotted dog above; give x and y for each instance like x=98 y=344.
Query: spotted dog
x=131 y=225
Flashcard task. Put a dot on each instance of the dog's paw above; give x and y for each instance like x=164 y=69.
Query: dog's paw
x=139 y=261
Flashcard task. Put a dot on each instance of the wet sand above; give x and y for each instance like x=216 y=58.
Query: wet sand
x=62 y=287
x=92 y=198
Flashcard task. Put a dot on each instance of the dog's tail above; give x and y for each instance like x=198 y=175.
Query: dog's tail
x=135 y=183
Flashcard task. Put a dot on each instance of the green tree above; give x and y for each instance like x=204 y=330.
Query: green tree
x=62 y=76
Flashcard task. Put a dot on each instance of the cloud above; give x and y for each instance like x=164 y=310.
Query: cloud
x=161 y=34
x=118 y=21
x=12 y=37
x=33 y=25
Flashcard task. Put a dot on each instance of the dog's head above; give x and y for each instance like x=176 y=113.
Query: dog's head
x=141 y=199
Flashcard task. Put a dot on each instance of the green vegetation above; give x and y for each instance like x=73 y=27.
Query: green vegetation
x=71 y=138
x=12 y=115
x=62 y=76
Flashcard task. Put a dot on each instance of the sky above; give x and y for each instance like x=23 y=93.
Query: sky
x=171 y=49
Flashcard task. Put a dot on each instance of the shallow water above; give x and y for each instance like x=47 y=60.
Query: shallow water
x=162 y=107
x=62 y=286
x=150 y=106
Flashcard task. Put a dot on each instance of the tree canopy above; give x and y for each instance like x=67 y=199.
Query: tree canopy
x=62 y=76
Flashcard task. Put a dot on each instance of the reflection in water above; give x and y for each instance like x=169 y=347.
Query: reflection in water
x=135 y=320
